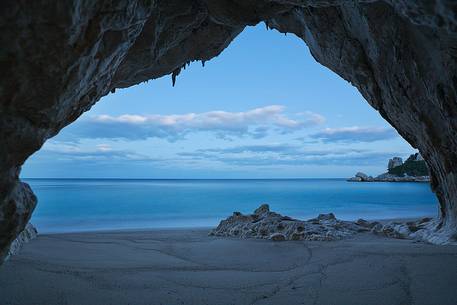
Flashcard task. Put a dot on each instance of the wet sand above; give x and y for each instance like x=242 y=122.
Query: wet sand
x=188 y=267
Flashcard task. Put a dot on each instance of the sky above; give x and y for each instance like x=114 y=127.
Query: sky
x=264 y=108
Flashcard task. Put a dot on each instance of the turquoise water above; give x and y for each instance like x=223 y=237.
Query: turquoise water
x=66 y=205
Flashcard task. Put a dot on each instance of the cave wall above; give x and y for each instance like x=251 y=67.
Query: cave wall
x=401 y=55
x=58 y=58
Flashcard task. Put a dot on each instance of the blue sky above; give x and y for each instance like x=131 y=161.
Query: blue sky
x=264 y=108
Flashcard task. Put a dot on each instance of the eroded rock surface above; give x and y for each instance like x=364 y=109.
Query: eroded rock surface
x=394 y=162
x=29 y=233
x=420 y=230
x=58 y=58
x=386 y=177
x=264 y=224
x=270 y=225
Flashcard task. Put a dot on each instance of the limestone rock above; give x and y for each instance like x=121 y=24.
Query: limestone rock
x=270 y=225
x=394 y=162
x=262 y=209
x=265 y=224
x=368 y=225
x=277 y=237
x=361 y=177
x=25 y=236
x=330 y=217
x=394 y=230
x=418 y=230
x=386 y=177
x=59 y=58
x=416 y=157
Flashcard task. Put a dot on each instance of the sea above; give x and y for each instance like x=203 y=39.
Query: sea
x=77 y=205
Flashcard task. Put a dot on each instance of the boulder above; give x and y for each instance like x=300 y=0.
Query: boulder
x=362 y=176
x=415 y=157
x=418 y=229
x=277 y=237
x=326 y=217
x=264 y=208
x=366 y=224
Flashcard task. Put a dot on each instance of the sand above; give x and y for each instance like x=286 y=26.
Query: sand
x=188 y=267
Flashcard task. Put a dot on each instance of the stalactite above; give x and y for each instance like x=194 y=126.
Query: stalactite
x=362 y=41
x=174 y=74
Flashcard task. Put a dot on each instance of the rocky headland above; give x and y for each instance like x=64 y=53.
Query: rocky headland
x=265 y=224
x=414 y=169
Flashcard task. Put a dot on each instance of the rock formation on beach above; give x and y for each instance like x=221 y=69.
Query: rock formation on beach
x=264 y=224
x=269 y=225
x=414 y=169
x=58 y=58
x=29 y=233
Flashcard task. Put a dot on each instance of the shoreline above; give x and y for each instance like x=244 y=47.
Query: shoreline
x=361 y=177
x=128 y=230
x=209 y=228
x=390 y=181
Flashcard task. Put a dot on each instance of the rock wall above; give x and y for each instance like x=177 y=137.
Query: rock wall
x=58 y=58
x=29 y=233
x=401 y=55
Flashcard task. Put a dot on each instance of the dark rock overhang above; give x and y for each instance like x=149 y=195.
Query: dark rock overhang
x=58 y=58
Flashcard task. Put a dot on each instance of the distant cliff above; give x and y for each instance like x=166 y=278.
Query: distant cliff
x=414 y=169
x=414 y=166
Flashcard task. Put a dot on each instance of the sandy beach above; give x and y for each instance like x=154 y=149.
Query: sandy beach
x=188 y=267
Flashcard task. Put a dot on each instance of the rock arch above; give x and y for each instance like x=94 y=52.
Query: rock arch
x=59 y=58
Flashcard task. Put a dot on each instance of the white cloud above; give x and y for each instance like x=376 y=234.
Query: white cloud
x=256 y=155
x=61 y=151
x=104 y=147
x=255 y=123
x=287 y=155
x=354 y=134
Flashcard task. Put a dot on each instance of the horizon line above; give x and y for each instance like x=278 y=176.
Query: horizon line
x=118 y=178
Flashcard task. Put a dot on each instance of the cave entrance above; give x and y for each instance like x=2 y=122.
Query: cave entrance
x=264 y=109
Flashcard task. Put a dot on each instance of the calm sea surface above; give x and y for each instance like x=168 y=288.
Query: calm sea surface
x=66 y=205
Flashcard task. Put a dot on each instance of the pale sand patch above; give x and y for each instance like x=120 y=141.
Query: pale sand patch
x=188 y=267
